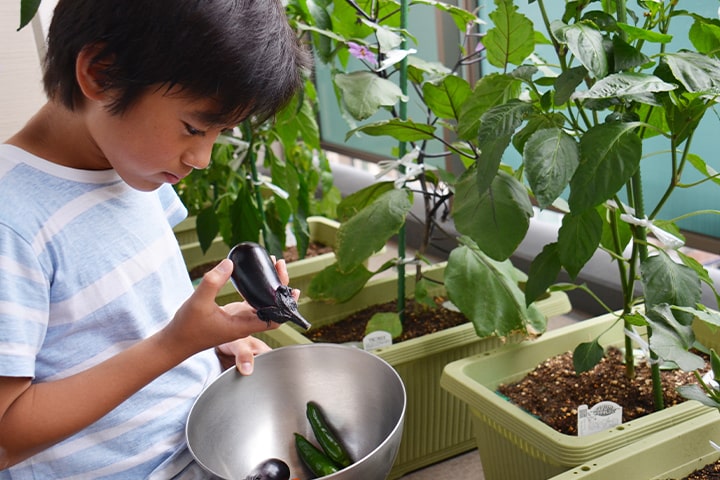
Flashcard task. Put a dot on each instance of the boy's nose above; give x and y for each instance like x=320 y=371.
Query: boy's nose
x=197 y=158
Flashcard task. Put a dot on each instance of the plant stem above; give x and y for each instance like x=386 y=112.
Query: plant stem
x=248 y=134
x=402 y=147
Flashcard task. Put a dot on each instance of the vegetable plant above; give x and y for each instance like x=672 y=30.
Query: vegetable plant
x=232 y=198
x=574 y=110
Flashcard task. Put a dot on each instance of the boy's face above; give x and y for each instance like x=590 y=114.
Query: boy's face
x=160 y=139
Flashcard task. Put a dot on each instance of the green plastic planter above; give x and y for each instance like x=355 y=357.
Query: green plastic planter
x=437 y=425
x=514 y=444
x=672 y=454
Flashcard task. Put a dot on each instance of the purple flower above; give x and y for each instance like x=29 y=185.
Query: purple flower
x=362 y=52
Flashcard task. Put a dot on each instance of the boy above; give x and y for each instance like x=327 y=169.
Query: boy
x=103 y=344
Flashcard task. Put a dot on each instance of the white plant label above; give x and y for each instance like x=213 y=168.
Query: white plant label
x=601 y=416
x=377 y=339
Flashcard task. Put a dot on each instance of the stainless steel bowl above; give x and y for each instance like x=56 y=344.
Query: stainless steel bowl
x=238 y=422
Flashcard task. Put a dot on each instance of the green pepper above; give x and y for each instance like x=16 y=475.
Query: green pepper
x=314 y=458
x=327 y=439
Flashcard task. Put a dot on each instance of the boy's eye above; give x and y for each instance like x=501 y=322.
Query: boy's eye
x=193 y=131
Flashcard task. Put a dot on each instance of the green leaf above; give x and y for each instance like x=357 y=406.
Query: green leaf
x=496 y=220
x=446 y=99
x=636 y=33
x=401 y=130
x=512 y=38
x=671 y=339
x=705 y=36
x=586 y=43
x=630 y=85
x=683 y=118
x=369 y=230
x=364 y=93
x=609 y=155
x=460 y=16
x=698 y=73
x=710 y=317
x=333 y=286
x=533 y=124
x=245 y=217
x=567 y=82
x=386 y=322
x=578 y=239
x=355 y=202
x=497 y=126
x=550 y=158
x=421 y=293
x=704 y=168
x=586 y=356
x=207 y=226
x=485 y=291
x=491 y=90
x=543 y=272
x=626 y=56
x=695 y=392
x=28 y=9
x=667 y=282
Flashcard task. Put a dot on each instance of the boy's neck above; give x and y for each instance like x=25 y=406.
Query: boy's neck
x=52 y=134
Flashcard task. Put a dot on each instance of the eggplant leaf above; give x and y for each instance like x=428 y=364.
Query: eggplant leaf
x=496 y=220
x=485 y=291
x=383 y=217
x=671 y=339
x=333 y=286
x=364 y=93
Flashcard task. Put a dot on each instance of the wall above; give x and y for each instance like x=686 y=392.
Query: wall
x=21 y=91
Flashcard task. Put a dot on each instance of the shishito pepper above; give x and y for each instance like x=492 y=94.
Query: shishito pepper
x=326 y=437
x=318 y=463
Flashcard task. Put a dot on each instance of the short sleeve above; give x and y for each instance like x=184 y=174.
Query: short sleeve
x=24 y=305
x=174 y=209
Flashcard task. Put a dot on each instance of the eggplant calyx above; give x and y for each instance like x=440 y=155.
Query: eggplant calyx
x=284 y=310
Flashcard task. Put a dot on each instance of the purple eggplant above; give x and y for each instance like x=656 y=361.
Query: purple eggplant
x=255 y=277
x=271 y=469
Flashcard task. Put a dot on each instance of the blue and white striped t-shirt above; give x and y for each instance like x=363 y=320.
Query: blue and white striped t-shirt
x=89 y=266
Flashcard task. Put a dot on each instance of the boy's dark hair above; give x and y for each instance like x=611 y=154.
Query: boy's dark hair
x=242 y=53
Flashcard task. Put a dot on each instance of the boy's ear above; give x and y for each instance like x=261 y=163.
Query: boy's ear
x=91 y=79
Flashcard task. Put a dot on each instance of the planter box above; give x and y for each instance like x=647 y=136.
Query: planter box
x=322 y=230
x=672 y=454
x=514 y=444
x=185 y=231
x=437 y=425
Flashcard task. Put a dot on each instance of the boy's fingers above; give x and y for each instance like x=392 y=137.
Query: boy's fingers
x=214 y=280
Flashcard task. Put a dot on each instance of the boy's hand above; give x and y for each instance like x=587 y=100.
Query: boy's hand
x=241 y=353
x=200 y=323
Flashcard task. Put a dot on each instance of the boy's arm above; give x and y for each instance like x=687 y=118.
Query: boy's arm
x=34 y=416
